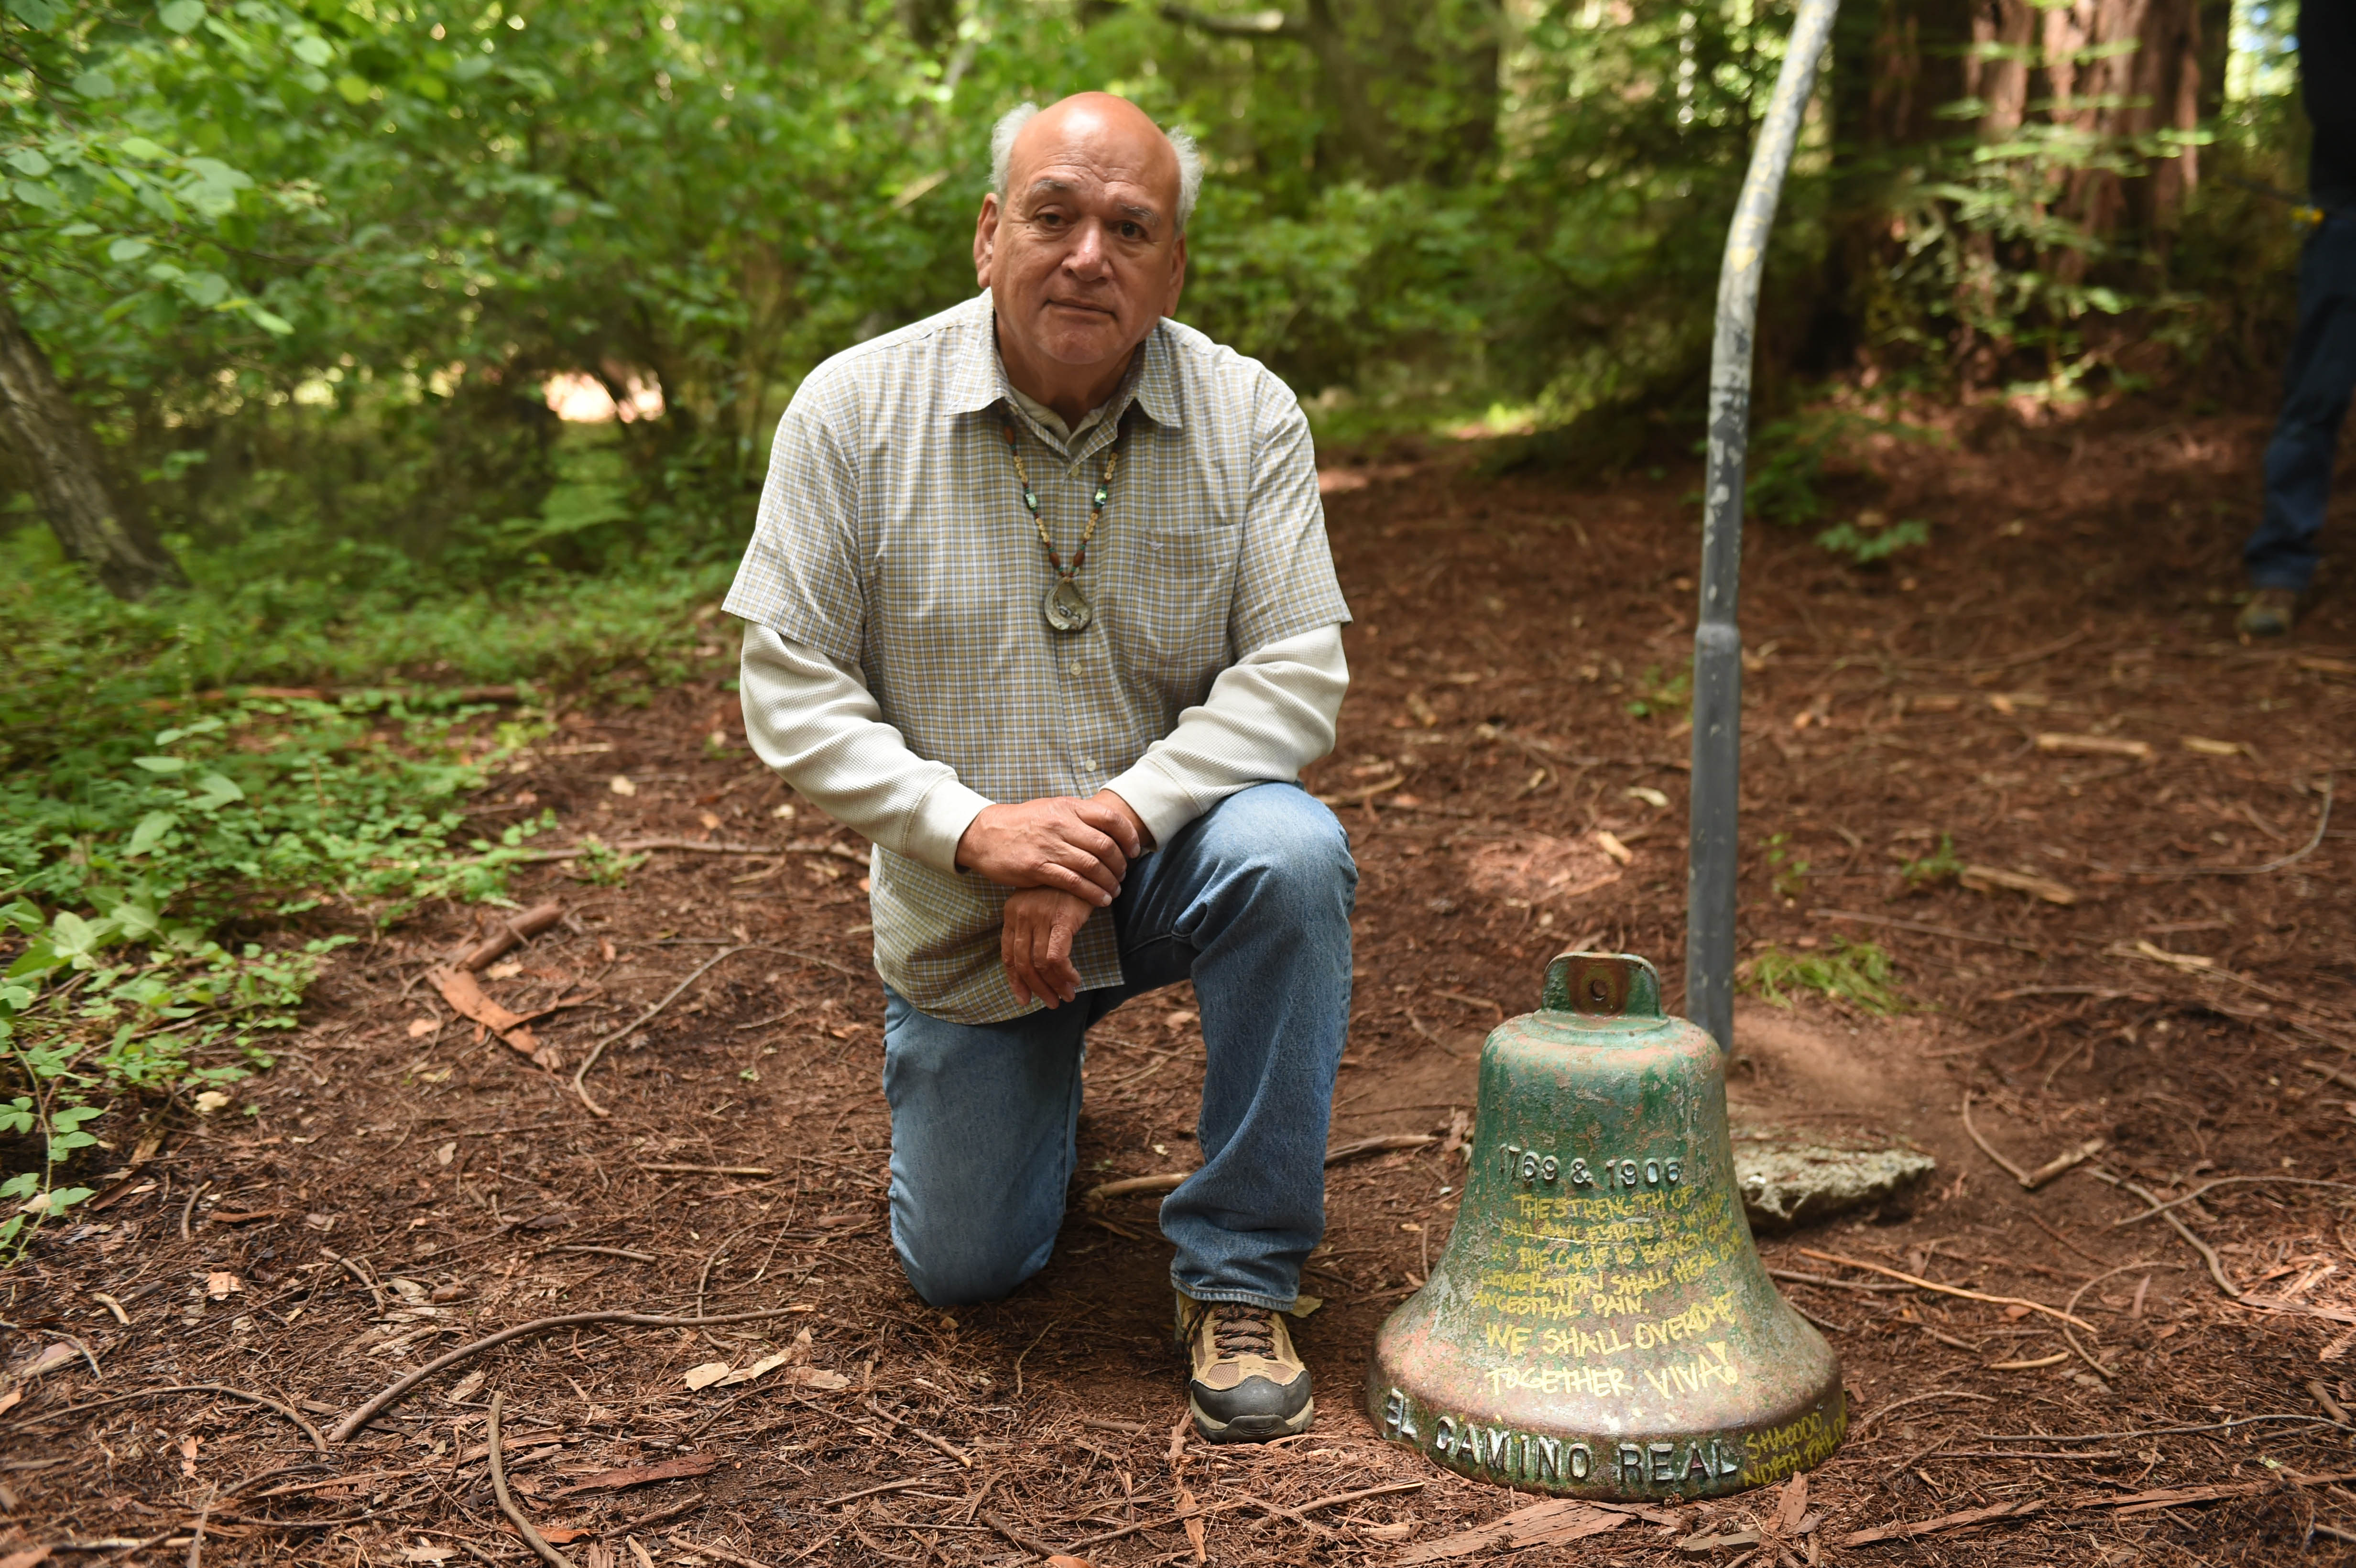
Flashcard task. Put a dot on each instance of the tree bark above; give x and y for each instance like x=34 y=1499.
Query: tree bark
x=1895 y=64
x=50 y=440
x=2113 y=73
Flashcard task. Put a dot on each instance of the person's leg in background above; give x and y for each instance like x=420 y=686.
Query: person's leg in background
x=1252 y=900
x=2281 y=555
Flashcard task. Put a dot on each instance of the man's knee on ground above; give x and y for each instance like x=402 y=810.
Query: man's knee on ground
x=957 y=1264
x=1287 y=835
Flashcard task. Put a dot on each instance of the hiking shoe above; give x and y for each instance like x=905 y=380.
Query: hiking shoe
x=2269 y=613
x=1247 y=1382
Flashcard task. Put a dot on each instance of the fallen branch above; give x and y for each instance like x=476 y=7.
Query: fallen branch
x=688 y=1544
x=1921 y=1284
x=1989 y=1148
x=1028 y=1543
x=352 y=1267
x=2216 y=1267
x=515 y=1516
x=1796 y=1277
x=1945 y=1521
x=1857 y=1429
x=2161 y=1208
x=1986 y=879
x=876 y=1491
x=197 y=1535
x=2030 y=1180
x=2345 y=1080
x=2323 y=821
x=707 y=1170
x=686 y=847
x=633 y=1027
x=1979 y=666
x=2172 y=1497
x=1382 y=1143
x=918 y=1433
x=511 y=934
x=1169 y=1180
x=308 y=1430
x=377 y=1406
x=2101 y=1371
x=2233 y=1426
x=1948 y=932
x=2069 y=1159
x=2094 y=745
x=2208 y=1254
x=608 y=1252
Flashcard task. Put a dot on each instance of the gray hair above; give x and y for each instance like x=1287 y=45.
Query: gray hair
x=1010 y=125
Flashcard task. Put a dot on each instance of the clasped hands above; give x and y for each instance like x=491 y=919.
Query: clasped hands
x=1065 y=859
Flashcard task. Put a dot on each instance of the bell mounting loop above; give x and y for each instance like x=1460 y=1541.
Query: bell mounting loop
x=1603 y=986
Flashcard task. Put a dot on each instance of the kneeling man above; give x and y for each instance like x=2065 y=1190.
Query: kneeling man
x=1040 y=602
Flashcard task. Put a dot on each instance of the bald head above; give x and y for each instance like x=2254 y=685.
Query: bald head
x=1107 y=123
x=1082 y=244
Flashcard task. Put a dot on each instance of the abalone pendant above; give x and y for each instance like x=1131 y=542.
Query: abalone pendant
x=1066 y=608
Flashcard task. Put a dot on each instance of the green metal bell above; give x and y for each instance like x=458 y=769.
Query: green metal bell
x=1601 y=1324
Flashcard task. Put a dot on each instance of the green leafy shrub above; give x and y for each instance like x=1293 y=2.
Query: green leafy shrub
x=1868 y=543
x=1786 y=871
x=1854 y=972
x=1938 y=866
x=151 y=800
x=1672 y=696
x=1785 y=480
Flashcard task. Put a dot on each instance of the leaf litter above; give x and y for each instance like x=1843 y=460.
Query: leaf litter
x=2192 y=1431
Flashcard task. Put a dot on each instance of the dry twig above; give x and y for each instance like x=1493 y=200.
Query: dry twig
x=516 y=1516
x=1922 y=1284
x=2160 y=1208
x=2030 y=1180
x=377 y=1406
x=308 y=1430
x=598 y=1050
x=2323 y=821
x=2101 y=1371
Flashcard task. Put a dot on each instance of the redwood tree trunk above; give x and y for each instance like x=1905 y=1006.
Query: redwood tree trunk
x=1895 y=64
x=47 y=432
x=2111 y=71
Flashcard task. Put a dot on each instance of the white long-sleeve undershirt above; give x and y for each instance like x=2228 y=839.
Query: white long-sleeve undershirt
x=1267 y=716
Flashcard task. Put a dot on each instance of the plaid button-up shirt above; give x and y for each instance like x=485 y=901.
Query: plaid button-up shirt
x=893 y=538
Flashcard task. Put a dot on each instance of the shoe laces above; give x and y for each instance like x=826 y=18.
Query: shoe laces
x=1240 y=1329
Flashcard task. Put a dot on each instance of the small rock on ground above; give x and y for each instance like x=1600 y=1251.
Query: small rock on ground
x=1791 y=1178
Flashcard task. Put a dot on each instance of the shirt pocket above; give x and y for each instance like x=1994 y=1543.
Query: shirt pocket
x=1177 y=596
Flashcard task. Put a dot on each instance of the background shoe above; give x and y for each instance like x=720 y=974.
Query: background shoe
x=2269 y=613
x=1247 y=1384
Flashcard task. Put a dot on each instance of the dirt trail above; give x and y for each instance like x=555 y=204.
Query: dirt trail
x=403 y=1186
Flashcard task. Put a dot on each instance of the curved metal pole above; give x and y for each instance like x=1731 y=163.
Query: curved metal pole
x=1718 y=646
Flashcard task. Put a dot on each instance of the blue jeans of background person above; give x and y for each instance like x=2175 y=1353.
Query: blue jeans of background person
x=1252 y=900
x=2315 y=386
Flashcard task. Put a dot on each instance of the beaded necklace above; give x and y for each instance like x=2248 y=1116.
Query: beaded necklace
x=1066 y=608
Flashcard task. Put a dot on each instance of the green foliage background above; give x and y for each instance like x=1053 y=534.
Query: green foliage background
x=308 y=262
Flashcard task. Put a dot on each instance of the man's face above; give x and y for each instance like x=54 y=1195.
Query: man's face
x=1083 y=256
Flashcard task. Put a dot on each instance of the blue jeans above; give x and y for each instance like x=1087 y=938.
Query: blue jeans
x=2316 y=385
x=1252 y=900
